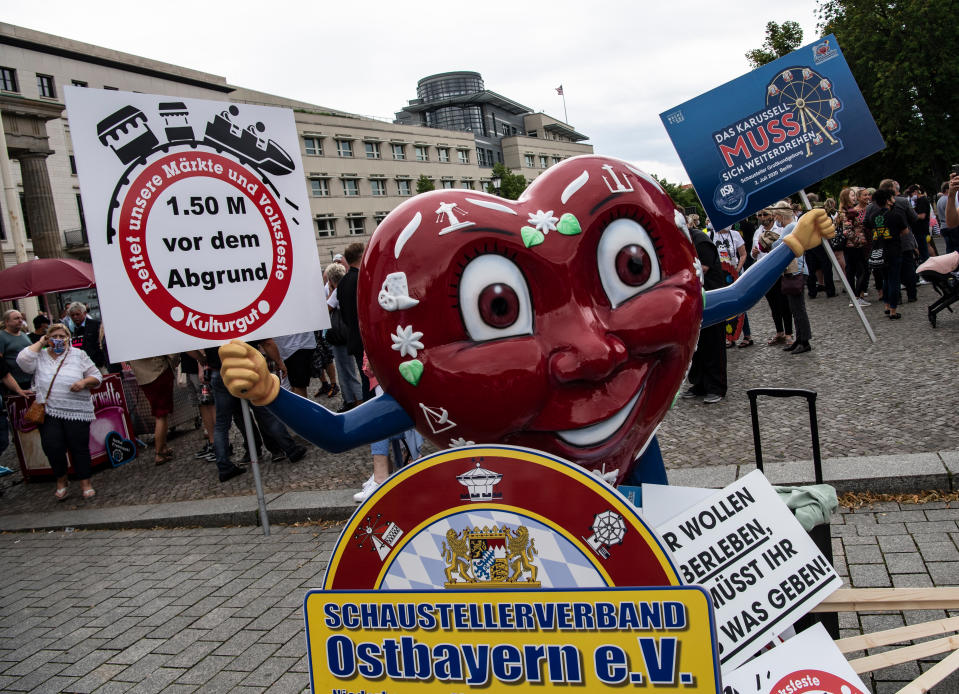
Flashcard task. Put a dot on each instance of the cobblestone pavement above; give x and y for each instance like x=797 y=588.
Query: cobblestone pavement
x=902 y=546
x=220 y=609
x=896 y=396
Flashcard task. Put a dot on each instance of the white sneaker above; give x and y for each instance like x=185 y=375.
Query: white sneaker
x=921 y=282
x=863 y=302
x=368 y=488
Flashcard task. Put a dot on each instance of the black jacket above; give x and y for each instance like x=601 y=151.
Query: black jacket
x=346 y=295
x=87 y=338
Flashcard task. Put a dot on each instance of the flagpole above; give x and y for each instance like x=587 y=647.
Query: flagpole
x=562 y=93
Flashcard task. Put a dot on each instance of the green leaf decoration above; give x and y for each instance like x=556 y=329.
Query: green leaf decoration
x=569 y=225
x=412 y=371
x=531 y=237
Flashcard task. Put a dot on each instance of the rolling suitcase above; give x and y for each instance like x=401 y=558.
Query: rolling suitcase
x=821 y=533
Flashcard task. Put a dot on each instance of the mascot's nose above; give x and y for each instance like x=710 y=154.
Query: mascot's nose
x=590 y=356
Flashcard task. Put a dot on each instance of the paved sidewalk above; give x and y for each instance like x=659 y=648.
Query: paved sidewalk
x=879 y=474
x=220 y=609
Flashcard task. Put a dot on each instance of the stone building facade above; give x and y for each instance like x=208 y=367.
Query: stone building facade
x=357 y=168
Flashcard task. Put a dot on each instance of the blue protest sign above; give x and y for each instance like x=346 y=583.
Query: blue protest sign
x=773 y=131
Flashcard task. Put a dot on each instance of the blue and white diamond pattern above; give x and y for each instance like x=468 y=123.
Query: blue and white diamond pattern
x=420 y=564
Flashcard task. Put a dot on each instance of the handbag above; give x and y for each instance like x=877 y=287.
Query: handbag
x=37 y=412
x=766 y=240
x=792 y=285
x=877 y=257
x=838 y=242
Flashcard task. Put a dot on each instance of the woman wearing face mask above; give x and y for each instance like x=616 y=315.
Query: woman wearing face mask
x=62 y=379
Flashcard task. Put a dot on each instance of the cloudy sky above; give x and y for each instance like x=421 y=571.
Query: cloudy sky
x=621 y=62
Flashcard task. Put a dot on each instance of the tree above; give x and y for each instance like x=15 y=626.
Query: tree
x=685 y=197
x=511 y=185
x=780 y=39
x=424 y=183
x=903 y=57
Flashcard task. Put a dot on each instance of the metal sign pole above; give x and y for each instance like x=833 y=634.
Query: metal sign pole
x=255 y=464
x=842 y=275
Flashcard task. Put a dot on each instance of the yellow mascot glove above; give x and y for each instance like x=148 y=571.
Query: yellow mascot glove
x=245 y=374
x=810 y=230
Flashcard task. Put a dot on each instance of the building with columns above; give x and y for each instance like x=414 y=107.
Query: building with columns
x=357 y=168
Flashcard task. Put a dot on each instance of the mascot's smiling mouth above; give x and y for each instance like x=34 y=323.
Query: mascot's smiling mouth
x=601 y=431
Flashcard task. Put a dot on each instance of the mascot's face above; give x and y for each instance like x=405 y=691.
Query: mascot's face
x=563 y=321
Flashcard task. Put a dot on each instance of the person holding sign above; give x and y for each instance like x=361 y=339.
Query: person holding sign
x=62 y=378
x=564 y=321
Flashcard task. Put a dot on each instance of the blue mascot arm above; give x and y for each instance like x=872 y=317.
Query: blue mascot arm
x=741 y=295
x=649 y=467
x=377 y=419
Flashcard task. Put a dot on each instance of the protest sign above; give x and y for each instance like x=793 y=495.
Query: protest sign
x=496 y=517
x=523 y=640
x=664 y=501
x=199 y=226
x=773 y=131
x=808 y=663
x=761 y=569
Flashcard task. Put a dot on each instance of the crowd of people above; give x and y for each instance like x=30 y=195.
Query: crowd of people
x=880 y=236
x=60 y=362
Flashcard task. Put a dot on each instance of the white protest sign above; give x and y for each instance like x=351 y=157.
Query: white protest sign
x=664 y=501
x=808 y=663
x=761 y=569
x=199 y=226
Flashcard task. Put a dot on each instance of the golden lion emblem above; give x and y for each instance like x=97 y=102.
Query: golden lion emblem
x=490 y=556
x=522 y=549
x=457 y=556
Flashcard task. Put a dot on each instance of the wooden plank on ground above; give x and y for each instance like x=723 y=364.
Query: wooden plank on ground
x=904 y=655
x=898 y=635
x=932 y=676
x=890 y=599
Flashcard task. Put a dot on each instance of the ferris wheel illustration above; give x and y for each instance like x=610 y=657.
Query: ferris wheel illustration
x=809 y=96
x=608 y=529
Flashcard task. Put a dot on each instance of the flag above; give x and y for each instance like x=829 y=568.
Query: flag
x=559 y=90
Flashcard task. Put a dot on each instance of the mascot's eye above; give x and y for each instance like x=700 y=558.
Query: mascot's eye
x=627 y=261
x=494 y=299
x=633 y=265
x=499 y=305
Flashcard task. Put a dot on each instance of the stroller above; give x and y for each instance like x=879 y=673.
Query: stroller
x=943 y=273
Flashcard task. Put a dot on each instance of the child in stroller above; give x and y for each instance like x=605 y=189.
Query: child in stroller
x=943 y=272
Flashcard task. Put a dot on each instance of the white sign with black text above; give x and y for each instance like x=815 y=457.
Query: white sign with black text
x=761 y=569
x=808 y=663
x=199 y=226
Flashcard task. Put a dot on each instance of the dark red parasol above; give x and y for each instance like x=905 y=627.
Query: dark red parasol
x=45 y=275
